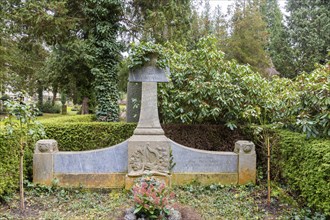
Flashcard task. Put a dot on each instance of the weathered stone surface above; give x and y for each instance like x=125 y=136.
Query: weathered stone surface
x=133 y=106
x=204 y=178
x=247 y=162
x=148 y=148
x=43 y=168
x=149 y=120
x=130 y=180
x=43 y=161
x=190 y=160
x=91 y=180
x=107 y=160
x=148 y=154
x=46 y=146
x=148 y=74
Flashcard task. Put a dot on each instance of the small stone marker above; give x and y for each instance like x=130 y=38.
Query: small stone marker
x=247 y=161
x=43 y=158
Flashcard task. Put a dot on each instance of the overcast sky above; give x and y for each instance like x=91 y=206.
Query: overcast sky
x=225 y=3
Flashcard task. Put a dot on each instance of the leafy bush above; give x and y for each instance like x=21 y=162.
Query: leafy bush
x=204 y=87
x=152 y=198
x=47 y=107
x=313 y=115
x=305 y=164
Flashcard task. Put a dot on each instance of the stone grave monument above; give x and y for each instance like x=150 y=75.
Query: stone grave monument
x=146 y=152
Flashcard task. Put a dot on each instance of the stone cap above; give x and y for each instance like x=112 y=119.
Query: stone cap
x=46 y=146
x=244 y=147
x=148 y=74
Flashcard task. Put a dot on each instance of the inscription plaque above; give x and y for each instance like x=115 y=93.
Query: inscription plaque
x=148 y=74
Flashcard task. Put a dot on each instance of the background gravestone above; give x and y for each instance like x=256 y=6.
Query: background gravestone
x=133 y=105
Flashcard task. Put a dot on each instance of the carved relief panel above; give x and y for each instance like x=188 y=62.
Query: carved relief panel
x=149 y=158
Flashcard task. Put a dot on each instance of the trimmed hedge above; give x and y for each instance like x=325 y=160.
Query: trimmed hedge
x=305 y=164
x=67 y=119
x=9 y=166
x=80 y=136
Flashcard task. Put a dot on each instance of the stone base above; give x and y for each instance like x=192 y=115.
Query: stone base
x=130 y=181
x=204 y=178
x=93 y=180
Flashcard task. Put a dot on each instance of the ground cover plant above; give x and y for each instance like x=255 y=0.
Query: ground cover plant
x=193 y=201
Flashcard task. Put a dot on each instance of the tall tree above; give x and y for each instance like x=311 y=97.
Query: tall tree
x=159 y=20
x=278 y=45
x=248 y=35
x=27 y=35
x=309 y=35
x=220 y=28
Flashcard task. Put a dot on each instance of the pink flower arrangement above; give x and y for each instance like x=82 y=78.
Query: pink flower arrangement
x=152 y=198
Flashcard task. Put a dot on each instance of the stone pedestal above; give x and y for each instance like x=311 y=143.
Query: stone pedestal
x=148 y=148
x=130 y=181
x=43 y=157
x=247 y=162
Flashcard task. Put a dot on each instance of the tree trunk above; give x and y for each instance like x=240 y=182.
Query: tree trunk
x=54 y=95
x=40 y=96
x=84 y=106
x=21 y=177
x=64 y=109
x=268 y=171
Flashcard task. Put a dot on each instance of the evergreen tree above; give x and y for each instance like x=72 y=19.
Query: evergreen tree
x=278 y=46
x=249 y=35
x=220 y=27
x=159 y=20
x=206 y=22
x=309 y=32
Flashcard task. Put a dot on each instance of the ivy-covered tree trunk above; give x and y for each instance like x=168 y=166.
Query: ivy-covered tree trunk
x=103 y=17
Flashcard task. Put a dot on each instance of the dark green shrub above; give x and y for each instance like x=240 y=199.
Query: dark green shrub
x=47 y=107
x=78 y=136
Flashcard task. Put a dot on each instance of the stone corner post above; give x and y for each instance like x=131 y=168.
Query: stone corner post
x=247 y=162
x=43 y=158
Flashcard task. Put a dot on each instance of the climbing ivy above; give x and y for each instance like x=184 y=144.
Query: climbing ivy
x=139 y=54
x=103 y=17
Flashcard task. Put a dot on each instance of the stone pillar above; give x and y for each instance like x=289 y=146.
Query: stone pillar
x=148 y=148
x=43 y=157
x=133 y=101
x=149 y=121
x=247 y=161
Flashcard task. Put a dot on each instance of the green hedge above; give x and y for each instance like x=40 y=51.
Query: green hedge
x=305 y=164
x=66 y=119
x=9 y=165
x=78 y=136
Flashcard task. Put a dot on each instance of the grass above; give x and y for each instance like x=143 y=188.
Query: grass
x=211 y=202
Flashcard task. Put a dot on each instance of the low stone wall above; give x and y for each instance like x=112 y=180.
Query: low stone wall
x=108 y=167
